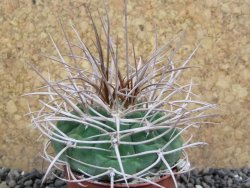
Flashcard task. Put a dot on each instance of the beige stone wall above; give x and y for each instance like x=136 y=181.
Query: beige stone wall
x=223 y=27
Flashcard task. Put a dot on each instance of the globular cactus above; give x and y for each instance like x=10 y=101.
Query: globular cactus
x=118 y=123
x=133 y=141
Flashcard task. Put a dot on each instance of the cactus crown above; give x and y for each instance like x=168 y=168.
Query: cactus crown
x=114 y=126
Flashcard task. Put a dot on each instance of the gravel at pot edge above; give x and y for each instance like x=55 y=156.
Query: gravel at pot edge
x=207 y=178
x=215 y=178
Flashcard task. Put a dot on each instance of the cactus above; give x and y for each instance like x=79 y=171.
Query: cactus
x=107 y=158
x=118 y=124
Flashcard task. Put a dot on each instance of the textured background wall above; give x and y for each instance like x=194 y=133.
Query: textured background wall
x=223 y=27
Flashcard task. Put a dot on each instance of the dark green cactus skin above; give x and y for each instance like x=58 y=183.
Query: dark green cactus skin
x=108 y=158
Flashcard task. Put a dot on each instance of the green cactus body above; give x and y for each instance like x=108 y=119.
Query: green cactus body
x=108 y=159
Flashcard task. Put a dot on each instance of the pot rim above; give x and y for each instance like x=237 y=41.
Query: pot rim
x=132 y=185
x=123 y=185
